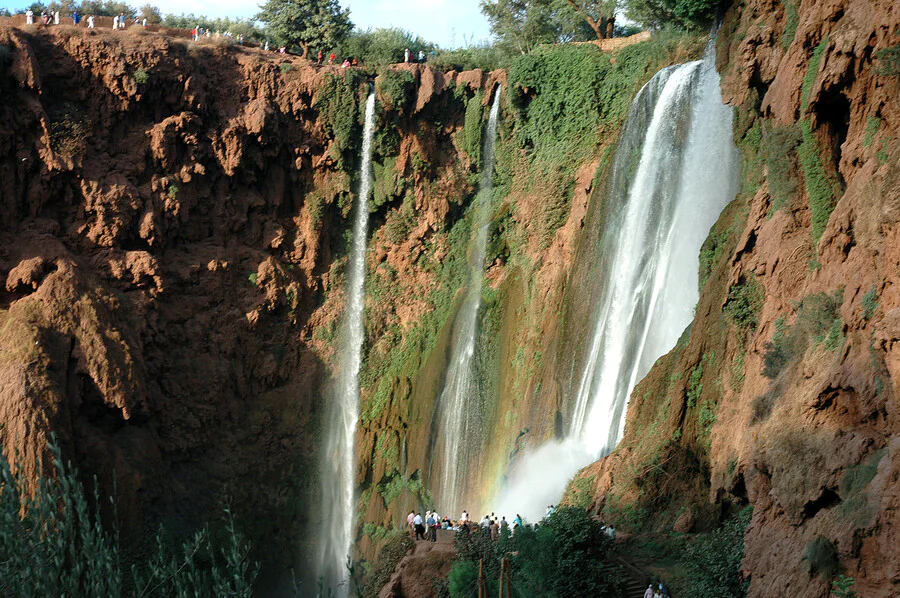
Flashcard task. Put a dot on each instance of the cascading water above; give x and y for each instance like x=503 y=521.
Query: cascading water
x=657 y=217
x=461 y=426
x=338 y=478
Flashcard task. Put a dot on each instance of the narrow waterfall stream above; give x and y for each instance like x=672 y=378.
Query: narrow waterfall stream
x=659 y=210
x=461 y=425
x=338 y=476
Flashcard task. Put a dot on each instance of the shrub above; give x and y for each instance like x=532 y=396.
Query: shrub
x=821 y=557
x=819 y=317
x=473 y=127
x=69 y=129
x=762 y=407
x=252 y=278
x=778 y=146
x=713 y=561
x=172 y=191
x=695 y=387
x=819 y=187
x=396 y=89
x=337 y=101
x=873 y=123
x=745 y=300
x=710 y=253
x=53 y=544
x=889 y=59
x=141 y=76
x=791 y=21
x=397 y=545
x=842 y=587
x=810 y=76
x=779 y=351
x=870 y=303
x=286 y=67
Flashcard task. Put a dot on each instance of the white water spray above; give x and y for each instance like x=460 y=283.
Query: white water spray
x=461 y=416
x=338 y=478
x=655 y=225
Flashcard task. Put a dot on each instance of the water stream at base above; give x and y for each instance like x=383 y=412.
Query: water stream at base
x=461 y=416
x=338 y=476
x=656 y=220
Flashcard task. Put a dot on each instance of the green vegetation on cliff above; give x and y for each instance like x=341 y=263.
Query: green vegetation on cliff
x=52 y=543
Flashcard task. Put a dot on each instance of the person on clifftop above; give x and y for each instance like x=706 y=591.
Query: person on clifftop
x=406 y=55
x=409 y=522
x=29 y=17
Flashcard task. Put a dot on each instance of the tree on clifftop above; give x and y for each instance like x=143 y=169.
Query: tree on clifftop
x=320 y=24
x=523 y=24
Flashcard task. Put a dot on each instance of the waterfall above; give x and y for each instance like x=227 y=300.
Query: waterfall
x=459 y=403
x=338 y=476
x=674 y=170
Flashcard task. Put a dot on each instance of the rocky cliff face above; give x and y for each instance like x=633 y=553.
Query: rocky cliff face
x=782 y=394
x=172 y=222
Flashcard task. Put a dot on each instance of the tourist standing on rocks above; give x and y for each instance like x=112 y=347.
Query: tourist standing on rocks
x=409 y=522
x=406 y=55
x=90 y=21
x=116 y=22
x=432 y=527
x=421 y=55
x=420 y=529
x=648 y=593
x=495 y=530
x=56 y=18
x=29 y=17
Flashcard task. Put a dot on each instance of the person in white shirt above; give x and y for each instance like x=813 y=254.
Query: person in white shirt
x=420 y=529
x=29 y=17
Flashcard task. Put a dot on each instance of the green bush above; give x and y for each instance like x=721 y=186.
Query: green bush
x=889 y=61
x=842 y=587
x=763 y=405
x=695 y=387
x=779 y=143
x=779 y=351
x=52 y=543
x=821 y=557
x=873 y=123
x=285 y=67
x=141 y=76
x=870 y=303
x=819 y=184
x=382 y=46
x=473 y=128
x=710 y=253
x=745 y=301
x=791 y=21
x=396 y=89
x=712 y=561
x=812 y=70
x=819 y=317
x=337 y=101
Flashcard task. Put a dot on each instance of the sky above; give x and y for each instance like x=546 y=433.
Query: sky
x=448 y=23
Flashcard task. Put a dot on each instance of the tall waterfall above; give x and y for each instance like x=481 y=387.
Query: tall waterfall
x=338 y=476
x=459 y=402
x=658 y=211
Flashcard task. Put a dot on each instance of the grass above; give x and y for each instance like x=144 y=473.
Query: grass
x=779 y=143
x=812 y=70
x=873 y=124
x=791 y=21
x=141 y=76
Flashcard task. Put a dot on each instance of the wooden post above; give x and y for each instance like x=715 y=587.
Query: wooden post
x=506 y=580
x=481 y=592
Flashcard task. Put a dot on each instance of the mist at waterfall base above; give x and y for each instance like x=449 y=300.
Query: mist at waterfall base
x=338 y=472
x=656 y=223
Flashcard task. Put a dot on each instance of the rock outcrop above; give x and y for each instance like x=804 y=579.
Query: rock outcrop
x=782 y=393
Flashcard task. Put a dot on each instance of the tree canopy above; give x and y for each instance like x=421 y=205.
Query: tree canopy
x=691 y=14
x=318 y=24
x=524 y=24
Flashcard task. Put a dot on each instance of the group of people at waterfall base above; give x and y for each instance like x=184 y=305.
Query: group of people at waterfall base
x=425 y=528
x=658 y=592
